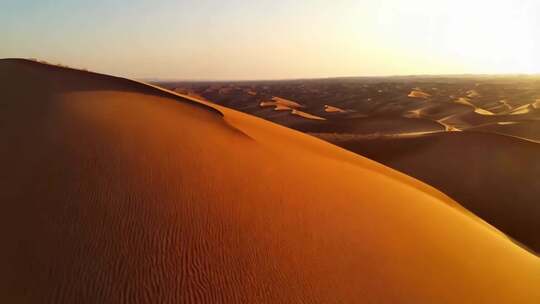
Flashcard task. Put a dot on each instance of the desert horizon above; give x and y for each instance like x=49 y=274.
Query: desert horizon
x=439 y=77
x=270 y=152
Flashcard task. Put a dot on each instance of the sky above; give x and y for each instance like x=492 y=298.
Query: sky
x=278 y=39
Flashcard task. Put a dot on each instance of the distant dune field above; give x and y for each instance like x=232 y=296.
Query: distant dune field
x=113 y=191
x=475 y=138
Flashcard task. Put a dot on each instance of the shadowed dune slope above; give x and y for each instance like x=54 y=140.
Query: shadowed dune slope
x=494 y=176
x=115 y=192
x=372 y=125
x=529 y=130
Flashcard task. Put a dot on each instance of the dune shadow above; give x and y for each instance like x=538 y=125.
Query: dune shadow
x=64 y=80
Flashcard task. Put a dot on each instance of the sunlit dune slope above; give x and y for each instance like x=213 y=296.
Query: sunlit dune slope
x=116 y=192
x=418 y=94
x=492 y=175
x=332 y=109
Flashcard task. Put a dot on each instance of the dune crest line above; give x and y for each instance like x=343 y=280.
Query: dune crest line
x=114 y=192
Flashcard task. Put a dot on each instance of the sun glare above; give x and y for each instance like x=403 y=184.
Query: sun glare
x=477 y=36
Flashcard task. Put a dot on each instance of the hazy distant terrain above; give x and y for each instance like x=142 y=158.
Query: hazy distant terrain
x=473 y=137
x=503 y=104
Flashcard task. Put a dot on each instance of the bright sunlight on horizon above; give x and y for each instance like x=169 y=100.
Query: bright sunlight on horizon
x=279 y=39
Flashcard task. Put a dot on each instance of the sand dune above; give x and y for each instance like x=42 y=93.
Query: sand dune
x=473 y=94
x=251 y=92
x=384 y=126
x=283 y=108
x=529 y=130
x=113 y=191
x=282 y=104
x=380 y=109
x=494 y=176
x=306 y=115
x=278 y=101
x=504 y=104
x=483 y=112
x=418 y=94
x=466 y=101
x=524 y=109
x=332 y=109
x=441 y=110
x=509 y=110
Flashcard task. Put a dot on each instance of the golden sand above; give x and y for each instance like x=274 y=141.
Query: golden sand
x=114 y=191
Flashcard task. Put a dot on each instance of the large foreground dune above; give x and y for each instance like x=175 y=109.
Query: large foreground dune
x=113 y=191
x=494 y=176
x=492 y=171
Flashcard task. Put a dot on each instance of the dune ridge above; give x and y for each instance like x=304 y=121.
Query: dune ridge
x=382 y=121
x=117 y=192
x=492 y=175
x=418 y=93
x=333 y=109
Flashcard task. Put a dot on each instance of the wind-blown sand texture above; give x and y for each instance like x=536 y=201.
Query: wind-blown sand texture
x=113 y=191
x=494 y=164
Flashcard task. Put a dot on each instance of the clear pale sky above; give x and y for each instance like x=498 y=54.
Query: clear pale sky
x=215 y=39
